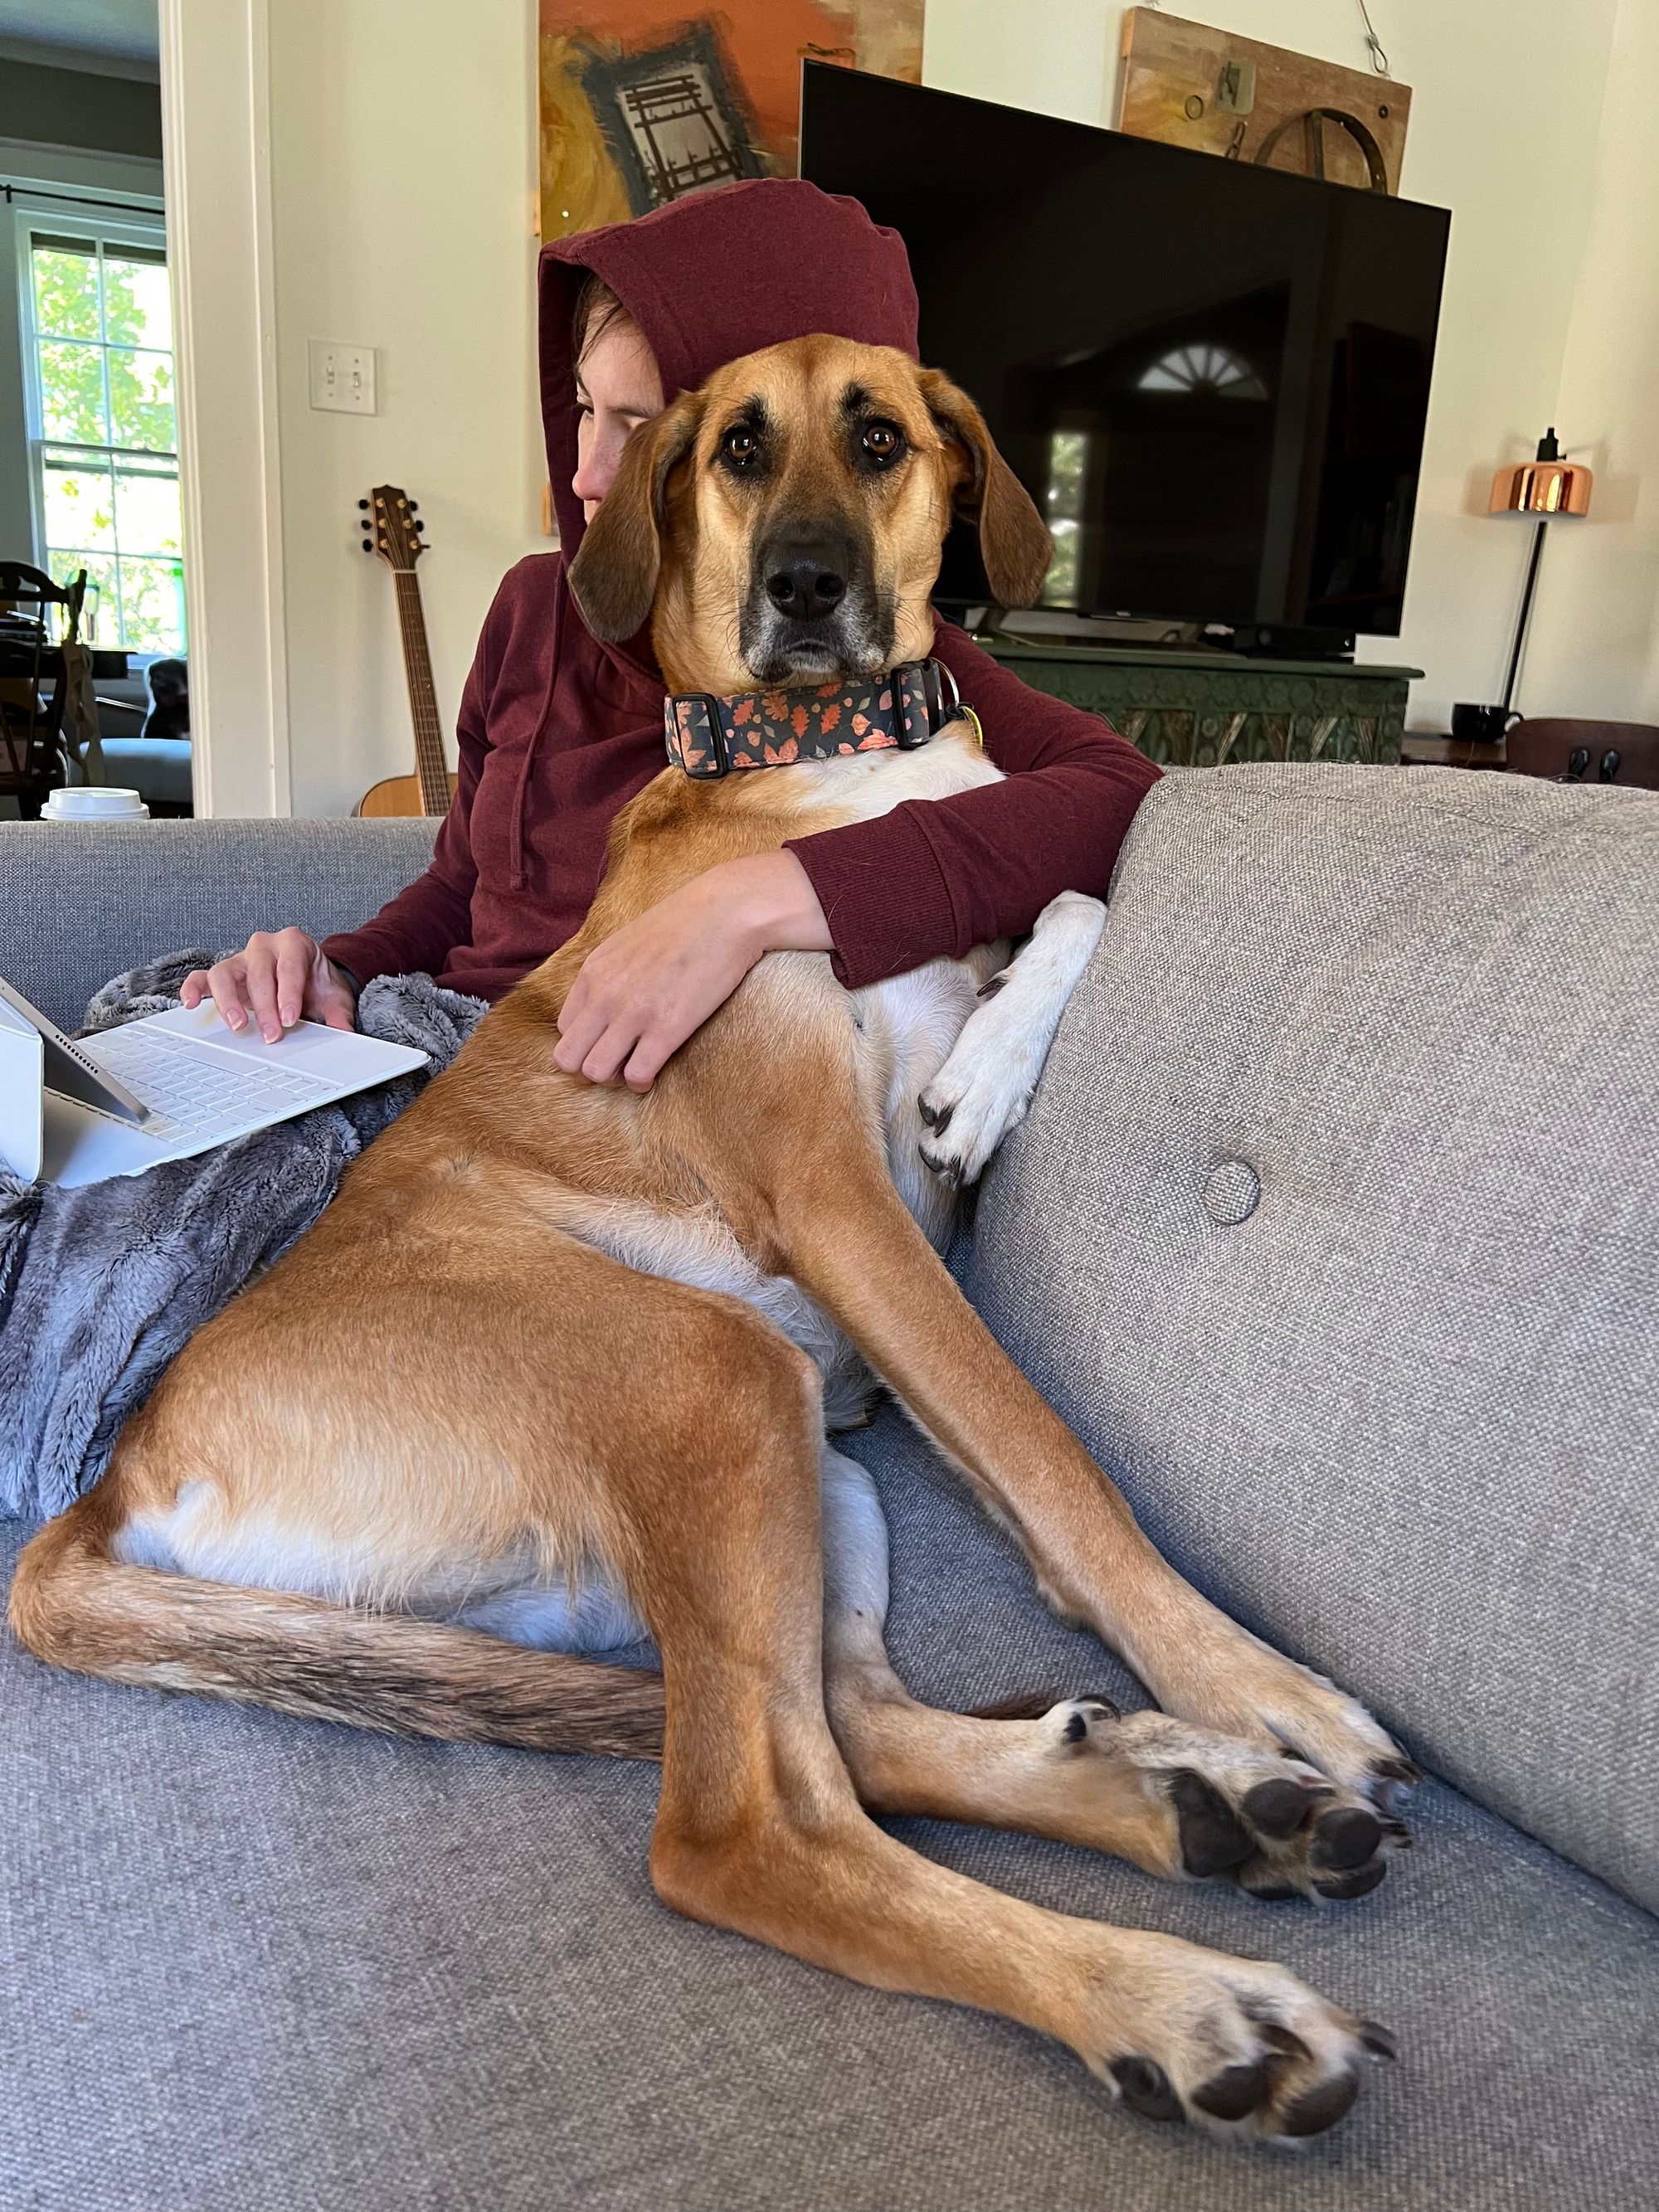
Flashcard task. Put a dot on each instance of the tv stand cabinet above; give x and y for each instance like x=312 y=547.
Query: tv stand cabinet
x=1200 y=709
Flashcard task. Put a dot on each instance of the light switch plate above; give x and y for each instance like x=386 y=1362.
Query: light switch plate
x=342 y=377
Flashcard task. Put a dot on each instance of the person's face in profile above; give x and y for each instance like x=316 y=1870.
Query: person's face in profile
x=618 y=387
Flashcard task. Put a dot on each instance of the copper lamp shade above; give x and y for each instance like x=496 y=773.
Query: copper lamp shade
x=1543 y=487
x=1539 y=491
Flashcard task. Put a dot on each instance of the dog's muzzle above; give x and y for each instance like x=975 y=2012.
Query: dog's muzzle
x=813 y=609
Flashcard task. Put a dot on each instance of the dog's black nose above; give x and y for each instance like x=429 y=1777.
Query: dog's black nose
x=805 y=582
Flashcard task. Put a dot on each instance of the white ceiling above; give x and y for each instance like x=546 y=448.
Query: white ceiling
x=123 y=29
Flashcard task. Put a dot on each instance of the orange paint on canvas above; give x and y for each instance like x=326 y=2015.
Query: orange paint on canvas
x=763 y=43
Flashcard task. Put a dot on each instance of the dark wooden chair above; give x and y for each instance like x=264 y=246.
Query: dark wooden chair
x=1552 y=746
x=37 y=618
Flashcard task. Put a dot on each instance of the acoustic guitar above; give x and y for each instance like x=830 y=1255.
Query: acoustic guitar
x=392 y=528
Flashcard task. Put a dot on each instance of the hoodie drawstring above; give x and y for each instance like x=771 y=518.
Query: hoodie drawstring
x=520 y=797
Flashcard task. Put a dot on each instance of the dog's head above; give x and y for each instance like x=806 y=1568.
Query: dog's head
x=783 y=524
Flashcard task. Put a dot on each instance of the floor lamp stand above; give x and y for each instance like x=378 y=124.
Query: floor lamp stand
x=1538 y=528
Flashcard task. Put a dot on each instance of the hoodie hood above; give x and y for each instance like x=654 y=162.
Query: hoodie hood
x=558 y=732
x=714 y=276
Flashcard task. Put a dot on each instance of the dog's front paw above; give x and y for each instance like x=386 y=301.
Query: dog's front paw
x=1237 y=2045
x=1233 y=1682
x=1275 y=1825
x=984 y=1087
x=982 y=1091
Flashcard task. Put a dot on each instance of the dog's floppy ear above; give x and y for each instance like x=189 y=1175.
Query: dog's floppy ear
x=1013 y=543
x=614 y=574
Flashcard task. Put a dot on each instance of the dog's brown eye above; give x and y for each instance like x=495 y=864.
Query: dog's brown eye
x=740 y=445
x=883 y=441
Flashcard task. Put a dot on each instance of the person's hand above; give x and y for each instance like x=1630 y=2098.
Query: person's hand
x=281 y=976
x=640 y=993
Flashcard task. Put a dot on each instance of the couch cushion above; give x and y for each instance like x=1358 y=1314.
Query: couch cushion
x=80 y=901
x=253 y=1964
x=1335 y=1231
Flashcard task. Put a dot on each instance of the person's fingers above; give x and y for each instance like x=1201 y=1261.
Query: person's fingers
x=225 y=981
x=604 y=1062
x=647 y=1061
x=295 y=952
x=195 y=987
x=260 y=984
x=579 y=1032
x=578 y=1002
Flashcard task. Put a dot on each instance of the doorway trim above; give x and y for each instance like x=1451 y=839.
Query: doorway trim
x=216 y=131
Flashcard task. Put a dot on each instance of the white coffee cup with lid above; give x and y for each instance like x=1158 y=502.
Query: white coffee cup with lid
x=94 y=802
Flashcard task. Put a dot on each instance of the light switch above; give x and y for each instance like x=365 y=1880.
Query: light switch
x=342 y=377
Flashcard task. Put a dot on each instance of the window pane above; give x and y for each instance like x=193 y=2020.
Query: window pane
x=141 y=400
x=137 y=311
x=80 y=502
x=72 y=393
x=65 y=291
x=146 y=508
x=101 y=615
x=1068 y=457
x=152 y=606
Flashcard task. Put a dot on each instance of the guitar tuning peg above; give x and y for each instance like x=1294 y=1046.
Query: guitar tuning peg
x=363 y=503
x=414 y=506
x=367 y=546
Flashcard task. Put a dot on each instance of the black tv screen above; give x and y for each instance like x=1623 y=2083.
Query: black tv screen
x=1212 y=378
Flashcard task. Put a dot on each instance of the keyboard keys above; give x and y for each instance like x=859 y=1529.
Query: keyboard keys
x=194 y=1095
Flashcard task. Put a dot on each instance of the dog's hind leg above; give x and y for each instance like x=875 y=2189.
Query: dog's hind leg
x=760 y=1830
x=1178 y=1800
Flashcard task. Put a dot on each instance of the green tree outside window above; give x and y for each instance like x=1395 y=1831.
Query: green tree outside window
x=109 y=469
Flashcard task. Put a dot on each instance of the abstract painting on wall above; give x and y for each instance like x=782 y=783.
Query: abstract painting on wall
x=640 y=106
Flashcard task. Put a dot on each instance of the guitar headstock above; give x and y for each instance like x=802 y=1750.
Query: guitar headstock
x=392 y=528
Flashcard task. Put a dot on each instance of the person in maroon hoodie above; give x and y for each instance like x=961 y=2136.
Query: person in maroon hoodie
x=557 y=730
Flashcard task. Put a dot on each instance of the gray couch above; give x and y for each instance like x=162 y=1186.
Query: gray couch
x=1335 y=1231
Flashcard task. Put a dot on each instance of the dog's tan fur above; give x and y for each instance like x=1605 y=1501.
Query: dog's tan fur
x=452 y=1384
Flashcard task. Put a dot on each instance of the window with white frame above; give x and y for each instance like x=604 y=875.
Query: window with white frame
x=97 y=341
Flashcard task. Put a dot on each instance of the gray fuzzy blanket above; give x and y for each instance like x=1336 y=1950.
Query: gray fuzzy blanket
x=100 y=1287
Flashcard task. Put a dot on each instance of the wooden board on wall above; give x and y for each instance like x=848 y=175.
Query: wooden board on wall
x=1189 y=85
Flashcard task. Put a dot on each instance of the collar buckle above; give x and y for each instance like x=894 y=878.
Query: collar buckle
x=918 y=701
x=697 y=740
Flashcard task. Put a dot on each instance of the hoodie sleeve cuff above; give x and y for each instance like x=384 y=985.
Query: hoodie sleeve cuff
x=361 y=955
x=884 y=896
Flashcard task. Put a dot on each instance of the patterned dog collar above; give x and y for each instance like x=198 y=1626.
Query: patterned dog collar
x=706 y=736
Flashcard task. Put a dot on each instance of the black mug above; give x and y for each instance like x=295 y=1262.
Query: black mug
x=1483 y=726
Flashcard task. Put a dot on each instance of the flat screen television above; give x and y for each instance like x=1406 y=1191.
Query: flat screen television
x=1212 y=378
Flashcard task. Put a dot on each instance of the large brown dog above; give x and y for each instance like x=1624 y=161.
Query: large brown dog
x=568 y=1352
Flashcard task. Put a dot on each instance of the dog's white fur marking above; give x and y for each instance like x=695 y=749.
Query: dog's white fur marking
x=984 y=1088
x=193 y=1537
x=855 y=1578
x=589 y=1614
x=871 y=784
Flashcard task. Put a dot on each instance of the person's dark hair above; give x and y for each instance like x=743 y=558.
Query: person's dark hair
x=596 y=305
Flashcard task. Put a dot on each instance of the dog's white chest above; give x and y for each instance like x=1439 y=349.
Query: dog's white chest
x=861 y=786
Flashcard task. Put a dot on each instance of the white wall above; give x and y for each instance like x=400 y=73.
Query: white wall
x=402 y=174
x=403 y=170
x=1551 y=278
x=1595 y=643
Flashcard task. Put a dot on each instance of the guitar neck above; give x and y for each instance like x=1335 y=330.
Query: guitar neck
x=423 y=696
